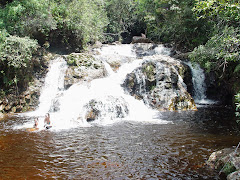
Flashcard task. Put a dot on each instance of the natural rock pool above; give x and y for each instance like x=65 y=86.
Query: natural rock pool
x=122 y=150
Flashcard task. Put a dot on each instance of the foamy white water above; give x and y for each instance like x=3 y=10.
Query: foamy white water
x=121 y=50
x=108 y=91
x=73 y=102
x=54 y=84
x=199 y=85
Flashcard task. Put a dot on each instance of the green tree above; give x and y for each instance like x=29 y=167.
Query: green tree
x=121 y=14
x=88 y=19
x=173 y=21
x=123 y=18
x=220 y=54
x=31 y=18
x=220 y=13
x=222 y=48
x=16 y=59
x=70 y=23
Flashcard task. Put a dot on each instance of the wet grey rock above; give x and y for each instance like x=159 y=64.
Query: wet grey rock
x=83 y=67
x=159 y=83
x=226 y=161
x=234 y=176
x=111 y=107
x=149 y=49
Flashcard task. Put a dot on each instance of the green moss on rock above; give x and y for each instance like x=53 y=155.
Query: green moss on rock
x=149 y=70
x=80 y=59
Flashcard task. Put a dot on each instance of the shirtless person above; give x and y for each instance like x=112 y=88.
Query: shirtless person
x=35 y=124
x=47 y=121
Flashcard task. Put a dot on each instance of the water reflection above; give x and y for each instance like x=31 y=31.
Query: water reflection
x=124 y=150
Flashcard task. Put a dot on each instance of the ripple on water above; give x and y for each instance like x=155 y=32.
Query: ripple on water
x=125 y=150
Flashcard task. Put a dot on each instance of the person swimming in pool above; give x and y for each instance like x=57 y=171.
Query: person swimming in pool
x=47 y=121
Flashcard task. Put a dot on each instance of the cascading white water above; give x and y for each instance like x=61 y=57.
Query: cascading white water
x=74 y=102
x=199 y=85
x=198 y=79
x=54 y=84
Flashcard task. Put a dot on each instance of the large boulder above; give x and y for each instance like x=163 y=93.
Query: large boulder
x=107 y=108
x=140 y=39
x=227 y=162
x=159 y=83
x=83 y=67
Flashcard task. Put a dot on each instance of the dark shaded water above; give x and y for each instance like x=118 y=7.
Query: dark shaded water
x=126 y=150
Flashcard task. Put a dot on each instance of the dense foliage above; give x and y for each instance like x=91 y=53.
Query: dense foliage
x=16 y=59
x=26 y=24
x=124 y=19
x=224 y=44
x=70 y=23
x=173 y=21
x=222 y=48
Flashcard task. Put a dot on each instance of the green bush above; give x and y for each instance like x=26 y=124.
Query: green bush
x=71 y=23
x=221 y=49
x=28 y=18
x=173 y=22
x=16 y=59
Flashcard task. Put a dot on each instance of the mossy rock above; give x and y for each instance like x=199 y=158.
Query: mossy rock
x=80 y=59
x=228 y=168
x=182 y=103
x=226 y=160
x=149 y=71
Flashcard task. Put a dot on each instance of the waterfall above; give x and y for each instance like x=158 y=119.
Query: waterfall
x=103 y=100
x=199 y=85
x=107 y=96
x=54 y=84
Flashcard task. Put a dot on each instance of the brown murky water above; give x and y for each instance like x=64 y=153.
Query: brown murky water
x=125 y=150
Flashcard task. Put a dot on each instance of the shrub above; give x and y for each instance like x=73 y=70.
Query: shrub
x=70 y=23
x=221 y=49
x=16 y=59
x=28 y=18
